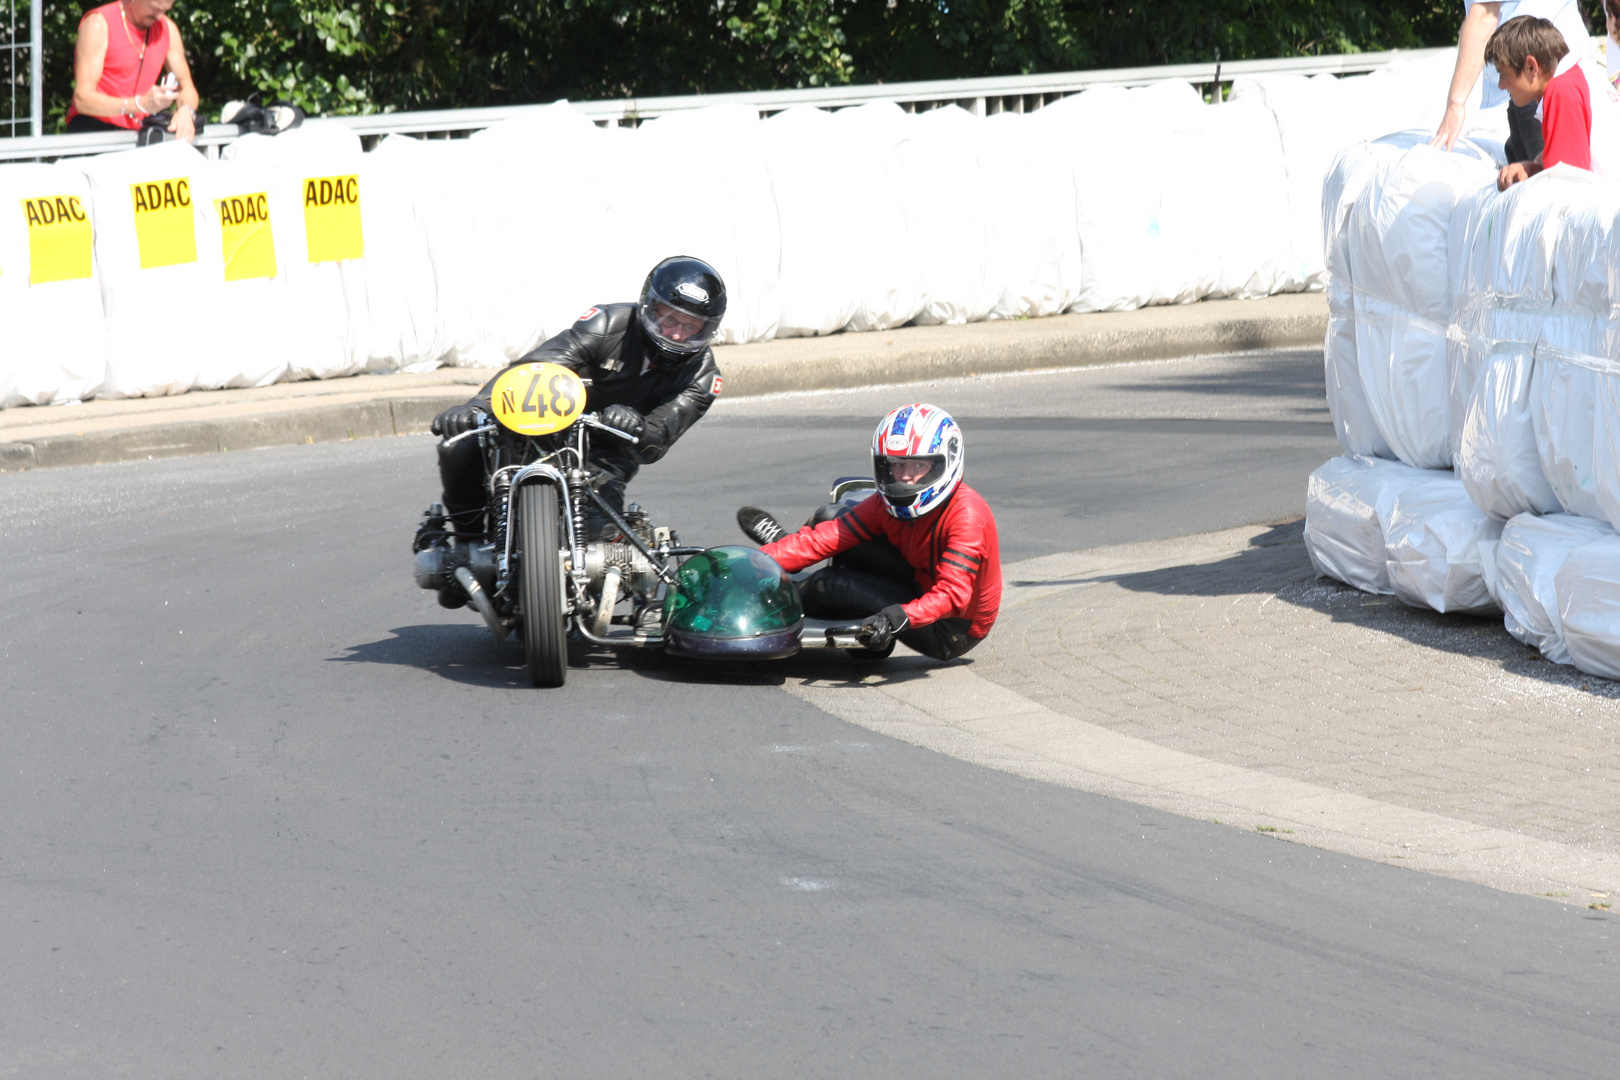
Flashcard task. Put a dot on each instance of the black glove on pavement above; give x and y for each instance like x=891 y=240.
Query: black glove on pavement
x=456 y=420
x=880 y=629
x=625 y=419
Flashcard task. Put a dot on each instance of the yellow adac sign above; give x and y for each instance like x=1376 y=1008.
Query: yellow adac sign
x=332 y=218
x=59 y=238
x=165 y=231
x=247 y=244
x=537 y=399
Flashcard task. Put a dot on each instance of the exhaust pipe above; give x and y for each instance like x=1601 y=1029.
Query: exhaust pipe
x=604 y=607
x=480 y=601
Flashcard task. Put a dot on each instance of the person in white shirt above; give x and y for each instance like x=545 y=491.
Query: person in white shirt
x=1479 y=23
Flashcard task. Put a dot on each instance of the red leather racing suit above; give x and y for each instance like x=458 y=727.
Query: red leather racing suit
x=953 y=550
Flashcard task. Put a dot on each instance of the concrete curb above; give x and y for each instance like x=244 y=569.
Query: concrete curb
x=915 y=353
x=182 y=438
x=103 y=432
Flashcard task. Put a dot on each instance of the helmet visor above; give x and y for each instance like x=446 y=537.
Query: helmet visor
x=676 y=328
x=901 y=479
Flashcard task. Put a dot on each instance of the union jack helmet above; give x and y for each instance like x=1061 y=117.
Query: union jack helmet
x=916 y=459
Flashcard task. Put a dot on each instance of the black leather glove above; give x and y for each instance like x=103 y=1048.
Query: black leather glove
x=880 y=629
x=625 y=419
x=456 y=420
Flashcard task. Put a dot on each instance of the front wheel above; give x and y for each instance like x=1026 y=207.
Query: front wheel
x=545 y=629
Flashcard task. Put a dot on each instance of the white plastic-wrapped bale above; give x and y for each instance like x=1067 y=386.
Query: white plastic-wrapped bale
x=1588 y=590
x=236 y=249
x=1242 y=181
x=319 y=183
x=954 y=207
x=153 y=246
x=1352 y=170
x=1320 y=115
x=1141 y=237
x=723 y=213
x=408 y=331
x=815 y=198
x=1505 y=249
x=1528 y=557
x=449 y=193
x=1396 y=240
x=1035 y=253
x=545 y=228
x=1432 y=540
x=50 y=295
x=885 y=270
x=1348 y=500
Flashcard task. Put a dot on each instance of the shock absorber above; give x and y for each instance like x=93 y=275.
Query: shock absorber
x=576 y=483
x=499 y=491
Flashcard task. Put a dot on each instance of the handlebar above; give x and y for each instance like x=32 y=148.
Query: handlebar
x=466 y=434
x=590 y=421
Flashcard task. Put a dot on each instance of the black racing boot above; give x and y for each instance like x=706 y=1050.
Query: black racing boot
x=759 y=526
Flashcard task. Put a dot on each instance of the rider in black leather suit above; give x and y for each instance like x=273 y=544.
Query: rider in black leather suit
x=646 y=375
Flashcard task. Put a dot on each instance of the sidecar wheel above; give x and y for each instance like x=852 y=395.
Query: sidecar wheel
x=545 y=629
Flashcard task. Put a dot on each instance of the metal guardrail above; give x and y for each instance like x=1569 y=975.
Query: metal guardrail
x=987 y=96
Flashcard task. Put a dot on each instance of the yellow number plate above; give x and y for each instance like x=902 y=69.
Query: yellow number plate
x=538 y=399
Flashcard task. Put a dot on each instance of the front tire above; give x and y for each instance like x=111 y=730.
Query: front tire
x=545 y=629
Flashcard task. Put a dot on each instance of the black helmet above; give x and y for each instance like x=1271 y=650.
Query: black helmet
x=682 y=303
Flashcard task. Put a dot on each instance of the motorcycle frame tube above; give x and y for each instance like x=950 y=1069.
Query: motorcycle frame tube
x=629 y=639
x=664 y=571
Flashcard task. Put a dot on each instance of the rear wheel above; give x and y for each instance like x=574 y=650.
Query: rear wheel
x=545 y=630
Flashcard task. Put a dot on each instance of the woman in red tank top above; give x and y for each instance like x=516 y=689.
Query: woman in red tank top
x=122 y=50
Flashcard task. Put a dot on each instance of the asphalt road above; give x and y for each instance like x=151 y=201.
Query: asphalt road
x=267 y=811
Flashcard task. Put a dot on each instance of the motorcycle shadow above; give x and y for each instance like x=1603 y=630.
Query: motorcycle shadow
x=464 y=653
x=821 y=666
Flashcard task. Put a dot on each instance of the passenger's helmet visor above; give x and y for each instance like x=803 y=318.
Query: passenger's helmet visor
x=900 y=479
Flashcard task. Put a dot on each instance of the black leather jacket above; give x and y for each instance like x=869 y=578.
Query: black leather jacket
x=608 y=349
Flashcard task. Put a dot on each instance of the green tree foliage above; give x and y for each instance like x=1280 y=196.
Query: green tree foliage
x=356 y=56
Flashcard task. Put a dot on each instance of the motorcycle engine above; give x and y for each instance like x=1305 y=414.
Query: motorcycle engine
x=634 y=568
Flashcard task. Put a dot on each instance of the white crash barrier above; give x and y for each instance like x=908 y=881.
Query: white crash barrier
x=473 y=251
x=1035 y=252
x=1396 y=235
x=409 y=331
x=1350 y=174
x=1318 y=117
x=1347 y=502
x=1529 y=556
x=1385 y=527
x=885 y=270
x=1530 y=277
x=814 y=194
x=1588 y=591
x=723 y=212
x=318 y=182
x=160 y=251
x=51 y=325
x=1142 y=243
x=1433 y=540
x=1568 y=392
x=953 y=209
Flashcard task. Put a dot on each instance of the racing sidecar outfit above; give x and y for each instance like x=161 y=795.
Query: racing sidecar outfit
x=954 y=591
x=607 y=347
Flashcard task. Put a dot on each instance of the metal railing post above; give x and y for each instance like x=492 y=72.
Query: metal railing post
x=36 y=67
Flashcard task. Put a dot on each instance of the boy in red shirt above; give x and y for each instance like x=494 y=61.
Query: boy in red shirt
x=1536 y=65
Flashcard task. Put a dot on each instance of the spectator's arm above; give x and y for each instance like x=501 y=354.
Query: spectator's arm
x=1477 y=28
x=184 y=124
